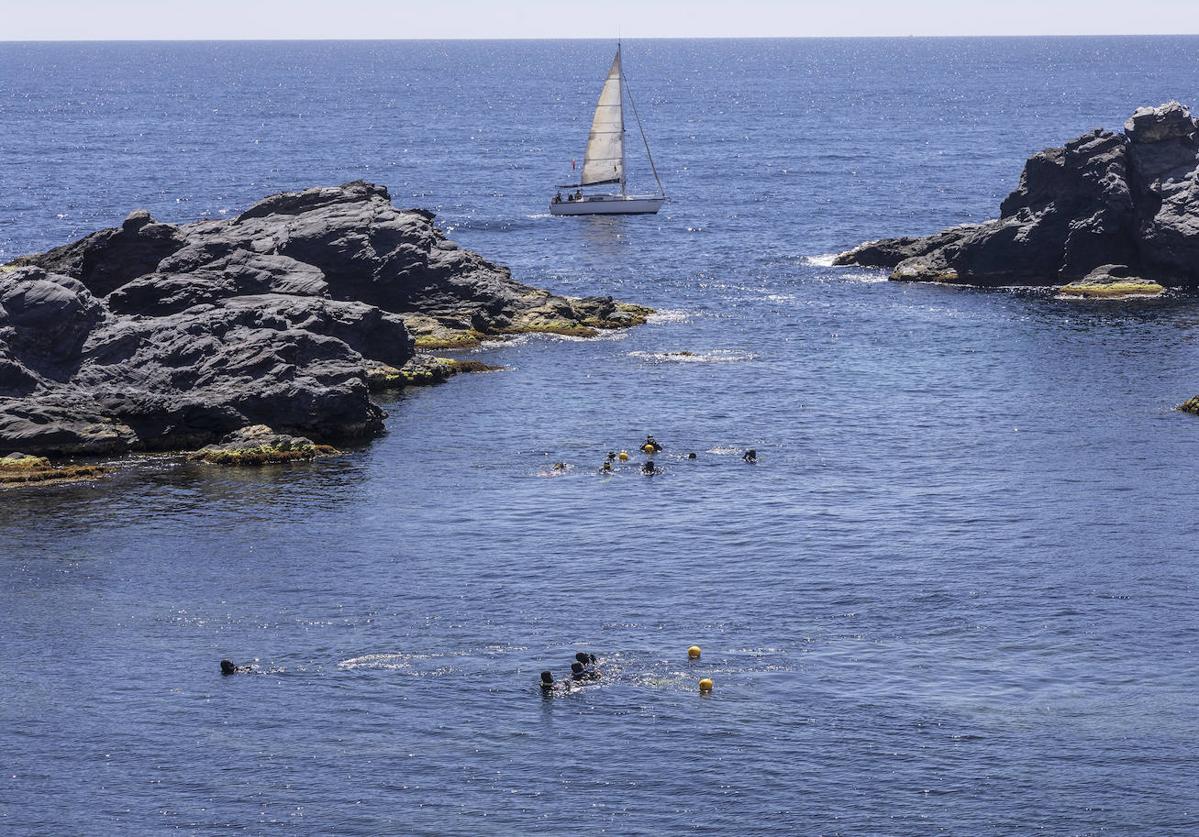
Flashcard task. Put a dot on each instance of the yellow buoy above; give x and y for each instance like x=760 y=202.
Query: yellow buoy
x=624 y=456
x=705 y=685
x=693 y=652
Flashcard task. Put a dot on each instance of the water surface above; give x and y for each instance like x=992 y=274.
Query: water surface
x=956 y=595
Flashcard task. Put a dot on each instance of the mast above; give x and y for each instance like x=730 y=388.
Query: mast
x=620 y=81
x=641 y=128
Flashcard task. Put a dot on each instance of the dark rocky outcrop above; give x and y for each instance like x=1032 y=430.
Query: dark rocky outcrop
x=1103 y=199
x=156 y=336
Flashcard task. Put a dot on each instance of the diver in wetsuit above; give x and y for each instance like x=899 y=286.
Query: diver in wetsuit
x=580 y=674
x=229 y=667
x=606 y=468
x=651 y=445
x=751 y=456
x=649 y=470
x=589 y=663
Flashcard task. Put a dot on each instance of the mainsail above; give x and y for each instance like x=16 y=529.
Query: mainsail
x=604 y=160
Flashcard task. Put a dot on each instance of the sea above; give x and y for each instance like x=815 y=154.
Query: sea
x=956 y=594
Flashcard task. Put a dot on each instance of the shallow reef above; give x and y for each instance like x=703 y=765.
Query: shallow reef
x=19 y=469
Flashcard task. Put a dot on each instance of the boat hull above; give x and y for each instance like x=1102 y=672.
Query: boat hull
x=609 y=205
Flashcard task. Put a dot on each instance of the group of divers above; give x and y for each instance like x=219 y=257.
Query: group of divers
x=585 y=669
x=649 y=448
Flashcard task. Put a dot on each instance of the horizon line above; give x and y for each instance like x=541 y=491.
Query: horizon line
x=370 y=38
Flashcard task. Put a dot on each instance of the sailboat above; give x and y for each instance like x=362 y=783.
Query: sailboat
x=604 y=160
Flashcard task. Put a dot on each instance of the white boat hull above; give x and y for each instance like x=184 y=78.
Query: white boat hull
x=609 y=205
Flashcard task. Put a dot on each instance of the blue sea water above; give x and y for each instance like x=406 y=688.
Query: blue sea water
x=956 y=595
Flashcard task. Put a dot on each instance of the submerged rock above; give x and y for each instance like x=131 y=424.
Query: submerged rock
x=157 y=336
x=18 y=469
x=1111 y=281
x=423 y=370
x=1102 y=199
x=260 y=445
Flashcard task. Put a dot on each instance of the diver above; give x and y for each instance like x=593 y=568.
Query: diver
x=751 y=456
x=229 y=667
x=692 y=455
x=589 y=663
x=611 y=456
x=559 y=466
x=606 y=468
x=648 y=468
x=651 y=445
x=580 y=674
x=548 y=686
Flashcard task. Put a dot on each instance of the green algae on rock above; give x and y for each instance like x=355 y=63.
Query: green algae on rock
x=260 y=445
x=19 y=469
x=423 y=370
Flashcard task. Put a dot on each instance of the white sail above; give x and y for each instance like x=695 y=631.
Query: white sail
x=604 y=160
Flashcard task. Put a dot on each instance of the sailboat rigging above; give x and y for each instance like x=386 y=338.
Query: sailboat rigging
x=604 y=159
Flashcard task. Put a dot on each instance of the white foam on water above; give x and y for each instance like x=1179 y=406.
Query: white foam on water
x=868 y=278
x=388 y=662
x=823 y=260
x=714 y=356
x=668 y=315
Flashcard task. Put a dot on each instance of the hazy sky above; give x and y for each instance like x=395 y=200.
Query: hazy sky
x=203 y=19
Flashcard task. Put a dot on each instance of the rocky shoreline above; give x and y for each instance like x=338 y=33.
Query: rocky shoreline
x=156 y=336
x=1106 y=215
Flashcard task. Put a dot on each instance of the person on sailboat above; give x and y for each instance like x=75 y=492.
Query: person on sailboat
x=578 y=194
x=558 y=197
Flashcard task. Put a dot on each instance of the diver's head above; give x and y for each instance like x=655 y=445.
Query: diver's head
x=576 y=668
x=227 y=667
x=611 y=455
x=592 y=658
x=581 y=657
x=692 y=455
x=547 y=678
x=559 y=466
x=648 y=468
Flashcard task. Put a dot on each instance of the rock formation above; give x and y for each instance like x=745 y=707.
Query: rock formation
x=155 y=336
x=260 y=445
x=1127 y=202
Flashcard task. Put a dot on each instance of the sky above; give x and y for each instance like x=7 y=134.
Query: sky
x=270 y=19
